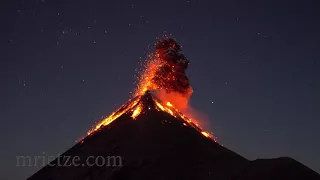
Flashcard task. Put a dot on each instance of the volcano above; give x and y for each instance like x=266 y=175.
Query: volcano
x=150 y=137
x=155 y=144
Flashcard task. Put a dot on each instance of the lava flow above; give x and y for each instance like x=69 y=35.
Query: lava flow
x=164 y=77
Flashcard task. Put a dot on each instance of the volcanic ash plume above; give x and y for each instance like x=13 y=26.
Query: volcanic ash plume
x=165 y=73
x=165 y=76
x=171 y=73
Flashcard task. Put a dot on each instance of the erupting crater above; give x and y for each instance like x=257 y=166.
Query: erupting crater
x=164 y=80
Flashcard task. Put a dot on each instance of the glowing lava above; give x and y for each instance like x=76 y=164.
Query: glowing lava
x=176 y=113
x=123 y=109
x=136 y=111
x=164 y=76
x=205 y=134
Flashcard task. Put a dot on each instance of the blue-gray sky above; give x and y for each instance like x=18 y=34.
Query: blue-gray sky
x=254 y=69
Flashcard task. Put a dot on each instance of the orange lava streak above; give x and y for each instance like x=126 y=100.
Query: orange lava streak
x=112 y=117
x=136 y=112
x=160 y=106
x=166 y=109
x=175 y=112
x=205 y=134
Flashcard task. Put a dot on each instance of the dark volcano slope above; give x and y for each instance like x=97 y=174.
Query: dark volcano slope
x=158 y=146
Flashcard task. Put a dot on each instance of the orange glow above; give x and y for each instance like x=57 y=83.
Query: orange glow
x=176 y=113
x=136 y=112
x=170 y=112
x=205 y=134
x=167 y=99
x=145 y=79
x=166 y=109
x=160 y=106
x=169 y=104
x=113 y=116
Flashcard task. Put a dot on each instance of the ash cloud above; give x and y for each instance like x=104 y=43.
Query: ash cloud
x=172 y=81
x=171 y=75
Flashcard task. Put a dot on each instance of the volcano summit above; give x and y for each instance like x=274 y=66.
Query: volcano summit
x=150 y=137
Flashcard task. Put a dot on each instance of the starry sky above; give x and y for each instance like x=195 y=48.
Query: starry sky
x=66 y=64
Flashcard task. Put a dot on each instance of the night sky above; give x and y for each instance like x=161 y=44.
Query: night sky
x=254 y=70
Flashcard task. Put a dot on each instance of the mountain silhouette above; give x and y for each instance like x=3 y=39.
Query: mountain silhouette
x=161 y=146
